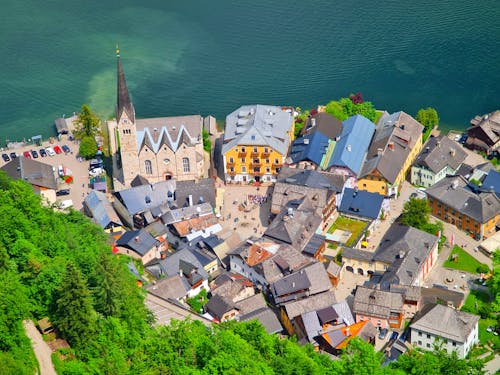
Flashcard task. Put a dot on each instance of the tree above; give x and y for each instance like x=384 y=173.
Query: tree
x=428 y=117
x=88 y=124
x=88 y=147
x=207 y=143
x=73 y=313
x=108 y=289
x=416 y=213
x=336 y=110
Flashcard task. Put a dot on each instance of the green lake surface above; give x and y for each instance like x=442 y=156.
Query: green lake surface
x=210 y=57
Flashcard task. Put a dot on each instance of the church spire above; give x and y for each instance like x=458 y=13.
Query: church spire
x=123 y=99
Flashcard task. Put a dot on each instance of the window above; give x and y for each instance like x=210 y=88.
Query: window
x=268 y=170
x=428 y=336
x=242 y=160
x=127 y=131
x=148 y=166
x=419 y=342
x=267 y=161
x=231 y=160
x=364 y=185
x=266 y=150
x=428 y=345
x=185 y=164
x=244 y=169
x=454 y=343
x=276 y=161
x=243 y=149
x=255 y=149
x=419 y=334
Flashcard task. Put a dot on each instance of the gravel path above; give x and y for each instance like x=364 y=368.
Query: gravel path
x=41 y=349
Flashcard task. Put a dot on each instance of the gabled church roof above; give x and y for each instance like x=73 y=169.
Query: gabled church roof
x=123 y=103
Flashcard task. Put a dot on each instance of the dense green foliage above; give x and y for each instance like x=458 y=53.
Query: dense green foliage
x=415 y=213
x=345 y=107
x=60 y=265
x=494 y=281
x=88 y=147
x=428 y=117
x=88 y=124
x=207 y=143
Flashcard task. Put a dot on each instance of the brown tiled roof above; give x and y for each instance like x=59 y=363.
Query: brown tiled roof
x=196 y=223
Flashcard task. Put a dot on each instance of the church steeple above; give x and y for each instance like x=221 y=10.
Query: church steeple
x=123 y=103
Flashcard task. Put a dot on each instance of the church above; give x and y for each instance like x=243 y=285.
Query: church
x=154 y=149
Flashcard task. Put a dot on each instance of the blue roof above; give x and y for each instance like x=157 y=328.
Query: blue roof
x=361 y=203
x=357 y=133
x=312 y=147
x=492 y=182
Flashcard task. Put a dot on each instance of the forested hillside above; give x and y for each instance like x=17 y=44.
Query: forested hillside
x=60 y=265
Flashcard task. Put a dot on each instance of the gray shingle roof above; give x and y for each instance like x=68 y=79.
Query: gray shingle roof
x=266 y=317
x=174 y=287
x=259 y=125
x=440 y=152
x=169 y=131
x=316 y=302
x=325 y=123
x=394 y=138
x=453 y=192
x=101 y=209
x=377 y=303
x=217 y=306
x=171 y=264
x=202 y=191
x=295 y=228
x=145 y=197
x=31 y=171
x=139 y=241
x=445 y=322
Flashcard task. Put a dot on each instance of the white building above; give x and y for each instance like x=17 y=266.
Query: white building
x=456 y=331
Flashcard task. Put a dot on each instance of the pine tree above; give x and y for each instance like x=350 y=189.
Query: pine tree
x=74 y=314
x=108 y=290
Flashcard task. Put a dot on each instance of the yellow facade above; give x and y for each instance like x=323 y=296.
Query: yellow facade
x=254 y=161
x=376 y=183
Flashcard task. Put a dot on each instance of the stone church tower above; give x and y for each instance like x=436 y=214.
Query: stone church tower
x=155 y=149
x=126 y=127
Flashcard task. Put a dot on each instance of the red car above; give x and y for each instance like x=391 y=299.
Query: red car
x=27 y=154
x=57 y=149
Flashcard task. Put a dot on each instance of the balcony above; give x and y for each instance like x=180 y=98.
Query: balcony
x=230 y=163
x=256 y=163
x=254 y=154
x=277 y=165
x=265 y=153
x=231 y=173
x=259 y=173
x=242 y=153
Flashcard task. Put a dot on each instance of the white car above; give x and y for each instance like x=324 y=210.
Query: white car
x=50 y=151
x=96 y=172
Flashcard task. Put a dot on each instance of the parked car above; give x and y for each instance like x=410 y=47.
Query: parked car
x=13 y=155
x=463 y=138
x=96 y=163
x=394 y=335
x=50 y=151
x=383 y=333
x=34 y=154
x=5 y=157
x=27 y=154
x=96 y=172
x=57 y=149
x=66 y=149
x=60 y=171
x=43 y=153
x=62 y=192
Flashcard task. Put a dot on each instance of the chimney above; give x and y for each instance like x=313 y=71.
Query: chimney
x=313 y=122
x=380 y=151
x=190 y=199
x=452 y=152
x=306 y=141
x=348 y=148
x=293 y=284
x=401 y=254
x=391 y=146
x=438 y=144
x=137 y=239
x=347 y=332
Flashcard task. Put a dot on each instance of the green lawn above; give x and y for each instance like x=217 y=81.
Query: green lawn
x=475 y=300
x=465 y=262
x=488 y=337
x=356 y=227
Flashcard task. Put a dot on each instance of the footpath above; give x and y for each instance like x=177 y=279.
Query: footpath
x=42 y=351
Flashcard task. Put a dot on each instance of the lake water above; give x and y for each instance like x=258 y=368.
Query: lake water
x=209 y=57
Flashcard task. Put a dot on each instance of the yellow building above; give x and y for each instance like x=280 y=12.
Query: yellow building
x=395 y=145
x=256 y=142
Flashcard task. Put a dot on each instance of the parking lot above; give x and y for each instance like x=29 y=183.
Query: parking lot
x=79 y=188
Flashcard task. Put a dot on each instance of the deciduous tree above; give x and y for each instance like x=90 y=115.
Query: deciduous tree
x=88 y=124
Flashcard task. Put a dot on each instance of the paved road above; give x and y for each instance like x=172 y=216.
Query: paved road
x=41 y=349
x=493 y=366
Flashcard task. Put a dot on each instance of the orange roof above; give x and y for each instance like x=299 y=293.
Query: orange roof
x=196 y=223
x=353 y=329
x=257 y=254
